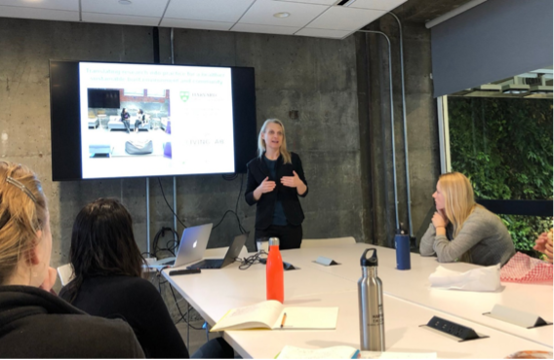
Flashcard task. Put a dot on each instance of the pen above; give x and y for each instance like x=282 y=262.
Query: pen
x=283 y=321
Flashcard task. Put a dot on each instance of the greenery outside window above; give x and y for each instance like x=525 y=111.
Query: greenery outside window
x=504 y=145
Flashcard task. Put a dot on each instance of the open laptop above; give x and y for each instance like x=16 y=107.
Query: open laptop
x=191 y=248
x=233 y=251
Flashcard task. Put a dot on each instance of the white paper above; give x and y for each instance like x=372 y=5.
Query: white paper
x=334 y=352
x=396 y=355
x=481 y=279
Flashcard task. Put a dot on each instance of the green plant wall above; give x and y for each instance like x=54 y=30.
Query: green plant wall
x=505 y=147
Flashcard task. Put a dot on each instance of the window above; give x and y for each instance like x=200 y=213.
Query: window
x=500 y=136
x=156 y=93
x=133 y=92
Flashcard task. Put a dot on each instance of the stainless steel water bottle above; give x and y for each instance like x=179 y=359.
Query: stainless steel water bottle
x=370 y=305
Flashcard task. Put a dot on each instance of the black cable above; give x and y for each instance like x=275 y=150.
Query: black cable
x=161 y=233
x=251 y=260
x=226 y=212
x=169 y=206
x=182 y=316
x=241 y=228
x=180 y=312
x=230 y=177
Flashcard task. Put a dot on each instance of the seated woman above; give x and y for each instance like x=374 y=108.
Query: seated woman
x=463 y=230
x=544 y=245
x=108 y=267
x=141 y=119
x=33 y=322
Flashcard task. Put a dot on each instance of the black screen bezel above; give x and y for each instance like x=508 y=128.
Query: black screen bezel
x=65 y=112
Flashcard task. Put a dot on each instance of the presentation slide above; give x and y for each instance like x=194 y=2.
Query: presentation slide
x=151 y=120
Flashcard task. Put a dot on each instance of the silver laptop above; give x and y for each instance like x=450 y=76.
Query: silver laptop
x=191 y=248
x=232 y=253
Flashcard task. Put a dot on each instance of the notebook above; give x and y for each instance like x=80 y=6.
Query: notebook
x=273 y=315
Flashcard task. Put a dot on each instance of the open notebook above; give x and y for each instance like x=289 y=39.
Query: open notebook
x=273 y=315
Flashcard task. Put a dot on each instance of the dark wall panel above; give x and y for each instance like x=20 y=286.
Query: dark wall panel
x=493 y=41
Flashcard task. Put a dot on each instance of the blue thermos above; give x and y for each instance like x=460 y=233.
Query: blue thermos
x=402 y=245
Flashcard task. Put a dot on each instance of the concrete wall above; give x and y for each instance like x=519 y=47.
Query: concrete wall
x=317 y=77
x=375 y=129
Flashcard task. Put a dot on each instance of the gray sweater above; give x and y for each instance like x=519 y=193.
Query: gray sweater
x=483 y=234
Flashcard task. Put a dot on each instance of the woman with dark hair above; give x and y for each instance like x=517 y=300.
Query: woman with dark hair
x=125 y=120
x=108 y=266
x=33 y=322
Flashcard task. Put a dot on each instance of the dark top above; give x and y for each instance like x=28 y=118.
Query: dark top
x=138 y=302
x=279 y=217
x=37 y=324
x=257 y=172
x=483 y=236
x=125 y=115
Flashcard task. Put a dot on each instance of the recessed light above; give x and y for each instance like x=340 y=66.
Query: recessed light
x=125 y=2
x=281 y=15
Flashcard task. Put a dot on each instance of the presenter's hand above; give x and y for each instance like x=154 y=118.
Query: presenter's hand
x=266 y=186
x=292 y=181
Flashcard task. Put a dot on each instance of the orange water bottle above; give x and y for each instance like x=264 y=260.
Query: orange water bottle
x=274 y=272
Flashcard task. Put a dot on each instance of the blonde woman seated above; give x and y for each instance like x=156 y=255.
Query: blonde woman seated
x=462 y=230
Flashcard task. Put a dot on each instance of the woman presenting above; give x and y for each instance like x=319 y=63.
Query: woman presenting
x=275 y=180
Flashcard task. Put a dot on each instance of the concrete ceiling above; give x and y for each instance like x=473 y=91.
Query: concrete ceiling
x=315 y=18
x=422 y=11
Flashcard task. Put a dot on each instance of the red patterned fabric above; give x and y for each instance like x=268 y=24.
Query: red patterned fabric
x=524 y=269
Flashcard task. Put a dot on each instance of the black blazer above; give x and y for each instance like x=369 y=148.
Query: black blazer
x=257 y=172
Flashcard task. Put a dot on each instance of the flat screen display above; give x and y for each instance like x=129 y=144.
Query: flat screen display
x=135 y=120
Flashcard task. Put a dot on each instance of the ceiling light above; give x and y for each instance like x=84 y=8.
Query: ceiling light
x=281 y=15
x=125 y=2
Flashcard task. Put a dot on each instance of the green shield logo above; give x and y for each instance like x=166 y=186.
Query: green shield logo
x=184 y=96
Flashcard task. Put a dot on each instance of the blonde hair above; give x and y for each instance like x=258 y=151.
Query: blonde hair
x=283 y=149
x=459 y=201
x=23 y=212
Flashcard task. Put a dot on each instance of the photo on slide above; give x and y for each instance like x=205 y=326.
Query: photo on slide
x=137 y=120
x=128 y=122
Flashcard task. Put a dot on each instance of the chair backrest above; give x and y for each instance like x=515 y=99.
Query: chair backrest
x=66 y=274
x=309 y=243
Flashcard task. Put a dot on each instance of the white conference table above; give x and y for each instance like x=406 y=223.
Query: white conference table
x=402 y=332
x=413 y=285
x=241 y=287
x=213 y=292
